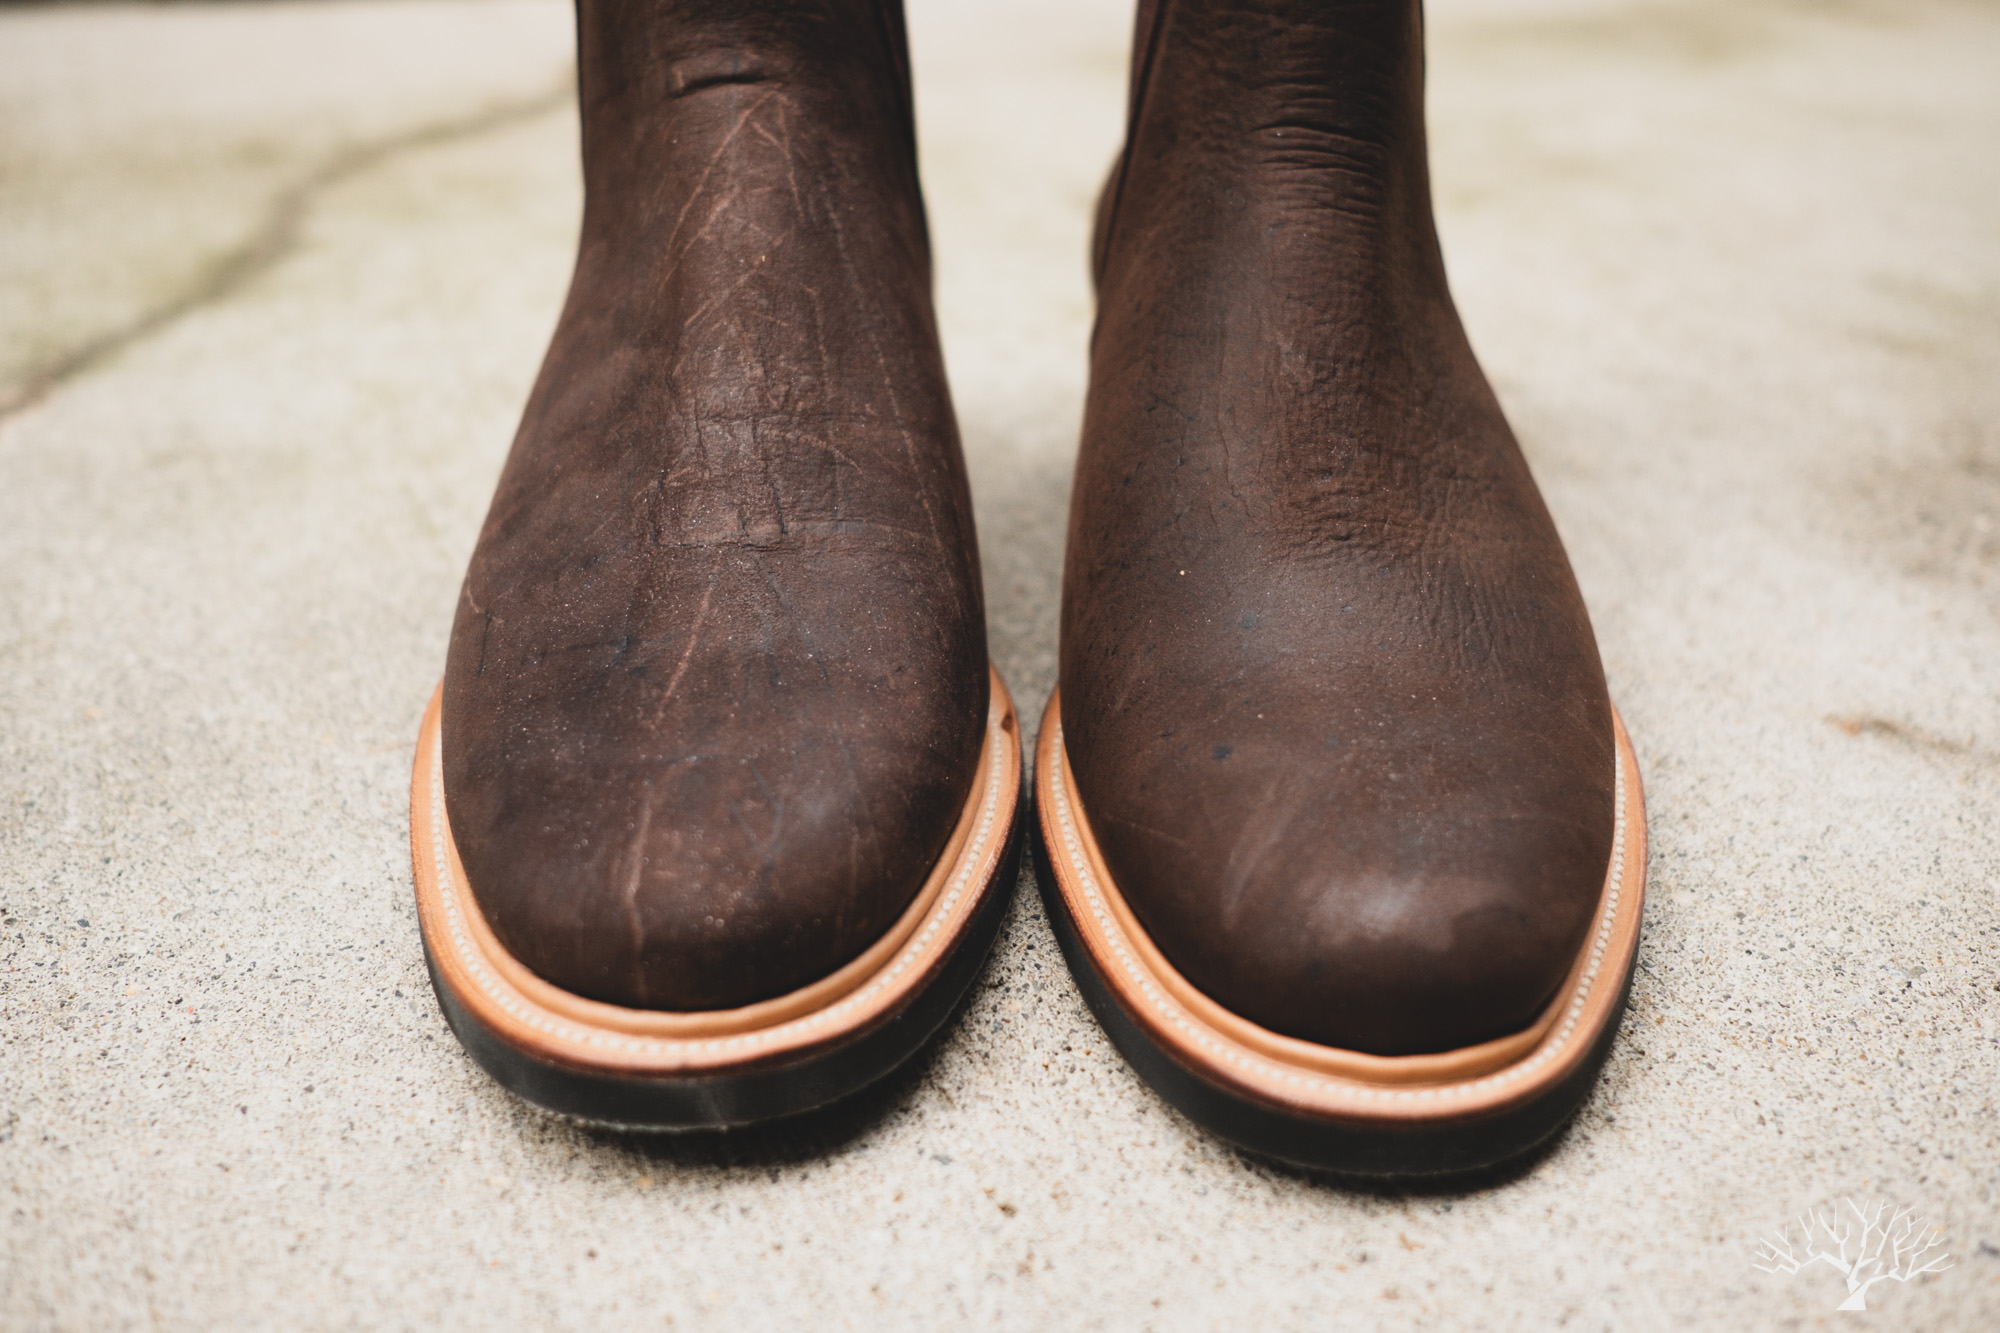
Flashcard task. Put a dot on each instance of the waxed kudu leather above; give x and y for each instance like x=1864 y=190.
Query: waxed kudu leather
x=717 y=681
x=1329 y=690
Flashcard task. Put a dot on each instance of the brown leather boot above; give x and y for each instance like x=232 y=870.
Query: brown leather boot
x=713 y=816
x=1342 y=834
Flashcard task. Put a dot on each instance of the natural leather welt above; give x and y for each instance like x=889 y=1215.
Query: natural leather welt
x=717 y=679
x=1328 y=685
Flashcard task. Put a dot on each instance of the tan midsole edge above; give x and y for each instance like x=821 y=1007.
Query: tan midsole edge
x=545 y=1020
x=1325 y=1080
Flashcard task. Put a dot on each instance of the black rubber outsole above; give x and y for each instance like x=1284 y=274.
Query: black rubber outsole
x=1336 y=1147
x=760 y=1093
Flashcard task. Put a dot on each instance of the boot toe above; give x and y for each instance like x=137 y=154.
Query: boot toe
x=746 y=849
x=1430 y=939
x=1366 y=902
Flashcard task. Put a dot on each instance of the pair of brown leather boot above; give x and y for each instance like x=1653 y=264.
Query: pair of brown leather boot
x=718 y=808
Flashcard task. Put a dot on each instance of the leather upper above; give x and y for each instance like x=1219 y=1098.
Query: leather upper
x=1329 y=689
x=717 y=684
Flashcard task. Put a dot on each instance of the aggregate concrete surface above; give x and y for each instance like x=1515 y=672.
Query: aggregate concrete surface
x=273 y=282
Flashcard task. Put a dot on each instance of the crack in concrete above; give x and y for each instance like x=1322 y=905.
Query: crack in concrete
x=275 y=237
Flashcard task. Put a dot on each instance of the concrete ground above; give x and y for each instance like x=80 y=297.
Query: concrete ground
x=273 y=282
